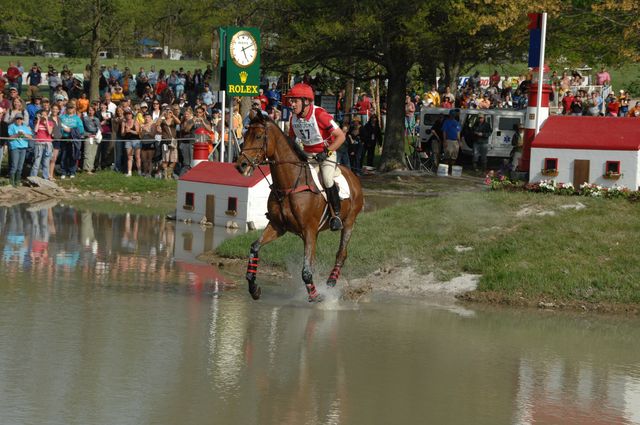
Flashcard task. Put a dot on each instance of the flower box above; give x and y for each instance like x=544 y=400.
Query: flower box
x=550 y=173
x=612 y=176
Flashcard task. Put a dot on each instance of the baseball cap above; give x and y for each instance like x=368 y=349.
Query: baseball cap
x=18 y=117
x=144 y=105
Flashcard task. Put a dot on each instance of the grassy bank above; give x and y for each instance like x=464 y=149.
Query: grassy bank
x=149 y=195
x=528 y=247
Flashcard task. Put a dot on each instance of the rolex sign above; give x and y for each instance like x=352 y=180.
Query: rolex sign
x=242 y=61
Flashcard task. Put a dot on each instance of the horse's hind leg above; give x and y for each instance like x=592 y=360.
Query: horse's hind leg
x=341 y=255
x=268 y=234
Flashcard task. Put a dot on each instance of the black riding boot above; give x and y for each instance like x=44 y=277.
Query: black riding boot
x=334 y=200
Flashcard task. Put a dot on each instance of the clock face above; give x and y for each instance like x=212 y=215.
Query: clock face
x=243 y=48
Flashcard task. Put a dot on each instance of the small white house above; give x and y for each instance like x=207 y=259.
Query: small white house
x=596 y=150
x=217 y=191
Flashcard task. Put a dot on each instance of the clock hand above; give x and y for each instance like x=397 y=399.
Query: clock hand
x=246 y=47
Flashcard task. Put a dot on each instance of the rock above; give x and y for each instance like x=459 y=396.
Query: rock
x=40 y=182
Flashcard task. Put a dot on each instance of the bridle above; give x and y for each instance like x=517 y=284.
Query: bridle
x=255 y=163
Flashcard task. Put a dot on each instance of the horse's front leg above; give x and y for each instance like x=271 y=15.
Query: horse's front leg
x=341 y=255
x=270 y=233
x=310 y=239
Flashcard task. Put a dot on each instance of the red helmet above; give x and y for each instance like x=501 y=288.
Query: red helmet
x=301 y=90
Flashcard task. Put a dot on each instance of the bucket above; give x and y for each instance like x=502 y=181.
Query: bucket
x=456 y=171
x=443 y=170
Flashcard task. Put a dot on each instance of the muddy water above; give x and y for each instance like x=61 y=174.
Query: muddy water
x=109 y=319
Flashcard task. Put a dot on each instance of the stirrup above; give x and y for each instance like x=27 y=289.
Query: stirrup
x=335 y=223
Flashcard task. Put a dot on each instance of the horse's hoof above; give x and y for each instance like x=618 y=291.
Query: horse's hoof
x=331 y=283
x=256 y=294
x=317 y=298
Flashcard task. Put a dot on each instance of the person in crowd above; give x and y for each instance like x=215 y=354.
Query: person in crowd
x=17 y=108
x=43 y=146
x=72 y=135
x=93 y=137
x=363 y=107
x=635 y=111
x=517 y=142
x=156 y=112
x=34 y=78
x=207 y=96
x=494 y=79
x=148 y=144
x=451 y=129
x=613 y=106
x=53 y=80
x=166 y=126
x=567 y=100
x=603 y=78
x=20 y=134
x=34 y=106
x=577 y=107
x=273 y=95
x=409 y=116
x=433 y=97
x=264 y=100
x=595 y=104
x=152 y=76
x=117 y=136
x=482 y=131
x=82 y=104
x=623 y=100
x=343 y=150
x=355 y=146
x=370 y=136
x=106 y=145
x=56 y=135
x=130 y=131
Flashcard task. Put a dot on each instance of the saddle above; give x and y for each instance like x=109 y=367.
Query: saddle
x=338 y=179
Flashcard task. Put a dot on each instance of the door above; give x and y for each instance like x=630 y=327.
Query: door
x=580 y=172
x=210 y=208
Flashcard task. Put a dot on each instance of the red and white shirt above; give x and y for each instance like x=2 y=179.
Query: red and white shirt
x=314 y=129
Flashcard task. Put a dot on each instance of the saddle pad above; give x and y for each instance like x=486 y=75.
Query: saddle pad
x=343 y=187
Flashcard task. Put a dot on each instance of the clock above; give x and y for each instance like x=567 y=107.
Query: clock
x=243 y=48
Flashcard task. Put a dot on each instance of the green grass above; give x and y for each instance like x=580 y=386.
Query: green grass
x=156 y=196
x=588 y=255
x=77 y=64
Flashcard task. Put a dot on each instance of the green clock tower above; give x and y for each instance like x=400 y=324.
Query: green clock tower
x=239 y=61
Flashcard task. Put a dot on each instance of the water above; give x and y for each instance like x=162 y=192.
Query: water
x=110 y=319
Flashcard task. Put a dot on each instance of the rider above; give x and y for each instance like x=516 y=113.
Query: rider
x=321 y=137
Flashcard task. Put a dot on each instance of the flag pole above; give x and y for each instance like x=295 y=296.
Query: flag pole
x=543 y=36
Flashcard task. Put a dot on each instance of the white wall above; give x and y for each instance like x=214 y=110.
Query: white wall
x=629 y=165
x=252 y=203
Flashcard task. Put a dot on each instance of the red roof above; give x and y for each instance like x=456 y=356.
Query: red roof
x=223 y=173
x=598 y=133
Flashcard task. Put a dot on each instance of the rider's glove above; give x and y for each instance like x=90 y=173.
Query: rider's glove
x=322 y=156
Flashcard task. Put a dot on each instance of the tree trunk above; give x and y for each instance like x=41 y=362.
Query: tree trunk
x=94 y=60
x=451 y=74
x=393 y=148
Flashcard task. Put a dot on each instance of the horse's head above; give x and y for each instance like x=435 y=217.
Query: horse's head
x=256 y=148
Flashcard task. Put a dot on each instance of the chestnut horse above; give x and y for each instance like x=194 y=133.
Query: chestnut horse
x=295 y=204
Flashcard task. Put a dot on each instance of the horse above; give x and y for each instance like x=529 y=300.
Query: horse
x=295 y=203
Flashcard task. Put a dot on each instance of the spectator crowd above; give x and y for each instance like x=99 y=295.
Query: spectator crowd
x=145 y=123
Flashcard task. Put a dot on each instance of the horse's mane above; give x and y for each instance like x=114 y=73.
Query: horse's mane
x=295 y=147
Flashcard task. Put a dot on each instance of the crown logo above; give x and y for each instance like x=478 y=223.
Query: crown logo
x=243 y=77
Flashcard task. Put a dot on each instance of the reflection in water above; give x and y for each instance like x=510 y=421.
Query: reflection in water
x=106 y=249
x=108 y=318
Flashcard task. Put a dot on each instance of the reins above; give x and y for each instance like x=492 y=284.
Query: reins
x=254 y=163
